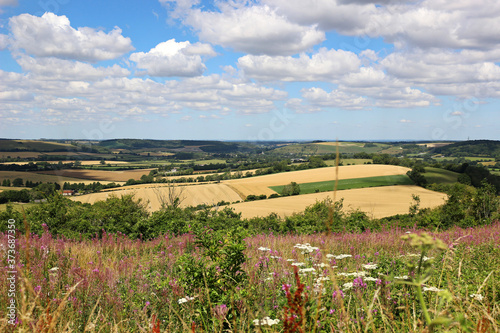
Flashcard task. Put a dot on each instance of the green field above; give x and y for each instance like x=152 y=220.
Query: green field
x=347 y=184
x=440 y=176
x=17 y=206
x=349 y=161
x=469 y=158
x=330 y=147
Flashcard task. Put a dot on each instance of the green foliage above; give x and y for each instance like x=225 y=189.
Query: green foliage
x=291 y=189
x=18 y=182
x=217 y=268
x=417 y=177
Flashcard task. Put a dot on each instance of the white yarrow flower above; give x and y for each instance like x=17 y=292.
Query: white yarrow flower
x=370 y=266
x=477 y=297
x=355 y=274
x=342 y=256
x=347 y=285
x=307 y=270
x=265 y=321
x=369 y=278
x=297 y=264
x=263 y=249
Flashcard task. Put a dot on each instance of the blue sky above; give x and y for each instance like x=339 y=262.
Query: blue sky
x=250 y=70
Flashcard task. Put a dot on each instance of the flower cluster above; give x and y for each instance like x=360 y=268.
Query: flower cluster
x=306 y=248
x=185 y=299
x=339 y=257
x=265 y=321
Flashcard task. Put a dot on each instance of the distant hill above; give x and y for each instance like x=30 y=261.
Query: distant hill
x=34 y=145
x=479 y=148
x=173 y=145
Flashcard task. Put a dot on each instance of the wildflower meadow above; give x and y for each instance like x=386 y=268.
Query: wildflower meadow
x=394 y=280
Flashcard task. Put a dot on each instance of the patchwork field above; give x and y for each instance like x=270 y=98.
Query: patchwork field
x=100 y=175
x=38 y=177
x=260 y=185
x=192 y=195
x=95 y=162
x=376 y=201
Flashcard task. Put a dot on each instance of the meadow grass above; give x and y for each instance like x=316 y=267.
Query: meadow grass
x=440 y=176
x=347 y=184
x=295 y=283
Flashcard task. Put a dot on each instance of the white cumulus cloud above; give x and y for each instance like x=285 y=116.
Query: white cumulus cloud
x=325 y=65
x=53 y=36
x=173 y=58
x=254 y=30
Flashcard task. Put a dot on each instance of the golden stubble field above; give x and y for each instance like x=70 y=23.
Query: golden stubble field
x=260 y=185
x=377 y=202
x=191 y=195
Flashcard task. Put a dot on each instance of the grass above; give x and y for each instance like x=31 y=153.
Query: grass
x=347 y=184
x=469 y=158
x=440 y=176
x=17 y=206
x=115 y=284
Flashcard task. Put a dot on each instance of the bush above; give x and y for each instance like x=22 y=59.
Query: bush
x=291 y=189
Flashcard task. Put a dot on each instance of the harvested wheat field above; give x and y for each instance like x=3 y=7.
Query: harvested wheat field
x=101 y=175
x=191 y=195
x=260 y=185
x=377 y=202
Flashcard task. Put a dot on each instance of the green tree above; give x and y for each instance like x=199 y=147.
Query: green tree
x=291 y=189
x=18 y=182
x=417 y=177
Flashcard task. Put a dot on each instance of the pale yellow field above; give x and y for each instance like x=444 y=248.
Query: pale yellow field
x=376 y=201
x=434 y=144
x=7 y=188
x=341 y=144
x=192 y=195
x=260 y=185
x=101 y=175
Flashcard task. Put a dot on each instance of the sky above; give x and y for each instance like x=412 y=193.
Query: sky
x=250 y=70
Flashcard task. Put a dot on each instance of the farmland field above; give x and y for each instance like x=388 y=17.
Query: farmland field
x=331 y=147
x=376 y=201
x=5 y=188
x=350 y=161
x=100 y=175
x=95 y=162
x=260 y=185
x=38 y=177
x=347 y=184
x=191 y=195
x=440 y=176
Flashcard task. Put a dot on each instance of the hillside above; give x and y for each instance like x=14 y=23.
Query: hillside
x=34 y=146
x=481 y=148
x=173 y=145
